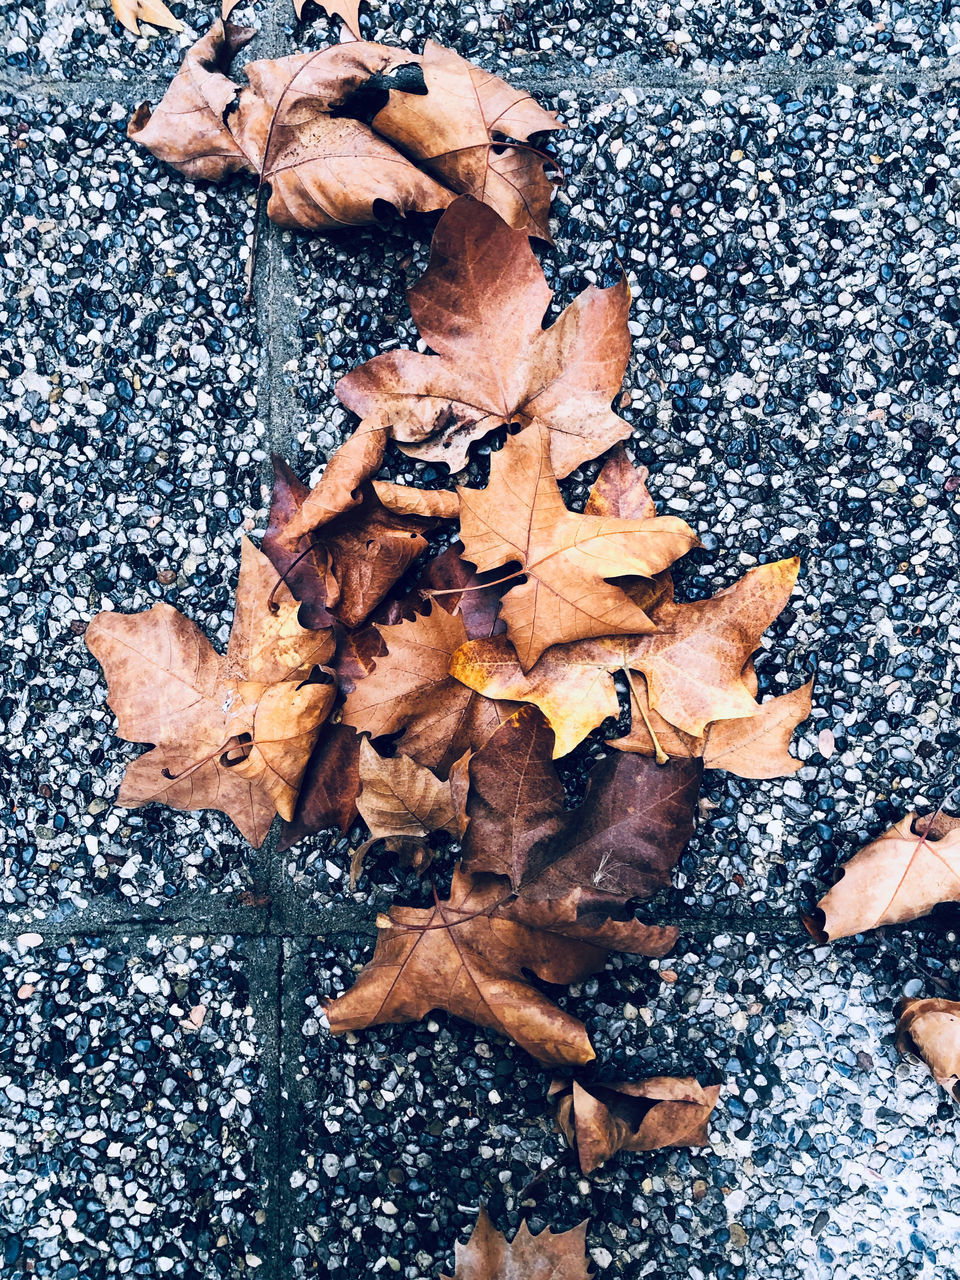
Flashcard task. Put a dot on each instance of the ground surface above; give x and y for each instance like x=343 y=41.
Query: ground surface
x=781 y=184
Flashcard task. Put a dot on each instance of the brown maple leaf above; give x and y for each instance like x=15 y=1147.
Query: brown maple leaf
x=598 y=1120
x=458 y=130
x=694 y=662
x=470 y=955
x=329 y=787
x=755 y=746
x=130 y=13
x=622 y=842
x=930 y=1029
x=231 y=733
x=626 y=837
x=901 y=876
x=480 y=307
x=488 y=1255
x=403 y=803
x=412 y=693
x=566 y=558
x=620 y=490
x=343 y=569
x=399 y=797
x=515 y=802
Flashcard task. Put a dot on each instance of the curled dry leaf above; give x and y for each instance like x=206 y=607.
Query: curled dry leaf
x=931 y=1030
x=622 y=842
x=412 y=693
x=398 y=797
x=344 y=568
x=231 y=733
x=488 y=1255
x=566 y=558
x=598 y=1120
x=403 y=803
x=480 y=307
x=470 y=955
x=901 y=876
x=130 y=13
x=296 y=127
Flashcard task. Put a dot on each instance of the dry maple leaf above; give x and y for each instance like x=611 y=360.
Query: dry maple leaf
x=620 y=490
x=755 y=746
x=130 y=13
x=901 y=876
x=566 y=558
x=231 y=733
x=622 y=842
x=412 y=693
x=694 y=662
x=480 y=307
x=930 y=1029
x=399 y=797
x=470 y=955
x=344 y=569
x=515 y=803
x=598 y=1120
x=329 y=787
x=488 y=1255
x=403 y=803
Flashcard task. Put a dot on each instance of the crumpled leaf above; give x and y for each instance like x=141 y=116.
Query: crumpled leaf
x=231 y=733
x=488 y=1255
x=470 y=956
x=345 y=567
x=329 y=787
x=901 y=876
x=598 y=1120
x=456 y=130
x=621 y=842
x=567 y=558
x=479 y=306
x=296 y=126
x=189 y=128
x=412 y=693
x=130 y=13
x=930 y=1029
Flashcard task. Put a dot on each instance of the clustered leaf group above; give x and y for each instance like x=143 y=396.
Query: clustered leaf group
x=437 y=711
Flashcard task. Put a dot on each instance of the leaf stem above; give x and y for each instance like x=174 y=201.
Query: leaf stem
x=660 y=755
x=282 y=580
x=482 y=586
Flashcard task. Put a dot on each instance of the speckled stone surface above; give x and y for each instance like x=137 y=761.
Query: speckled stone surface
x=779 y=182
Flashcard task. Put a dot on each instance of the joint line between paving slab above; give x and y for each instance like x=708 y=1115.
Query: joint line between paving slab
x=619 y=75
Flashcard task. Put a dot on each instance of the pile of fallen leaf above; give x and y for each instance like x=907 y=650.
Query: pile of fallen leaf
x=432 y=705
